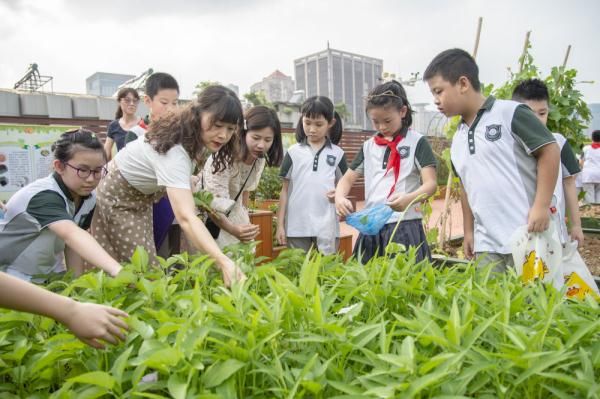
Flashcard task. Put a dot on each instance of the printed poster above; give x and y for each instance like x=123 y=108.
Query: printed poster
x=25 y=154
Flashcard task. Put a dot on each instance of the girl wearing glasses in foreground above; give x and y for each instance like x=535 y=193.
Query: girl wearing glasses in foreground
x=49 y=217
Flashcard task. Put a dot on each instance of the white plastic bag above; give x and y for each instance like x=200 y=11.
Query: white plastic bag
x=538 y=255
x=328 y=231
x=576 y=275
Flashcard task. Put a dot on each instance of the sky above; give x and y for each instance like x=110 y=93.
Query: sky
x=242 y=41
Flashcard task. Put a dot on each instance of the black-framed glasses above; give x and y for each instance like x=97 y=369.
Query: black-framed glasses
x=84 y=173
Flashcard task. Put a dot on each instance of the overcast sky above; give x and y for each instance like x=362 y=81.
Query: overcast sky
x=241 y=41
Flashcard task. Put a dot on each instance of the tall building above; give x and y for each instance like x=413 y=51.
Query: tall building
x=343 y=77
x=234 y=88
x=278 y=87
x=104 y=83
x=595 y=122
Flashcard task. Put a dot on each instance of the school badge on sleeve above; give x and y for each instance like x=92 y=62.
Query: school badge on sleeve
x=493 y=132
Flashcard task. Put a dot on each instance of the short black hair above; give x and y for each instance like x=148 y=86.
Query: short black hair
x=391 y=94
x=596 y=136
x=531 y=89
x=159 y=81
x=451 y=65
x=317 y=106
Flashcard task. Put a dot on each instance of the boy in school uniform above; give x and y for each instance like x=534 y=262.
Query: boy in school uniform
x=534 y=93
x=162 y=93
x=506 y=159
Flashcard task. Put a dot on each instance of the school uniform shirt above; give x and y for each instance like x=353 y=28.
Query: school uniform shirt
x=568 y=167
x=494 y=160
x=372 y=162
x=591 y=165
x=27 y=245
x=149 y=172
x=311 y=175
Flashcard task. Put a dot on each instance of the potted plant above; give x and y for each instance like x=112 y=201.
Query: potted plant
x=269 y=187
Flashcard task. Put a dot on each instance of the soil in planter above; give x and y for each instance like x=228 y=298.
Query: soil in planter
x=590 y=252
x=453 y=249
x=590 y=211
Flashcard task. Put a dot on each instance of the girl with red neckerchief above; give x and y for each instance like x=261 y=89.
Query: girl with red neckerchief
x=398 y=166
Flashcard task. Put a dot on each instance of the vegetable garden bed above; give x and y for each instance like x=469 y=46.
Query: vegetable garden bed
x=312 y=327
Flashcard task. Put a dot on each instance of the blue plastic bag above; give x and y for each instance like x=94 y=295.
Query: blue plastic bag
x=370 y=220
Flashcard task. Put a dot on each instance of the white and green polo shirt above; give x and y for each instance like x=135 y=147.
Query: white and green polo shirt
x=27 y=245
x=569 y=166
x=494 y=160
x=372 y=162
x=311 y=175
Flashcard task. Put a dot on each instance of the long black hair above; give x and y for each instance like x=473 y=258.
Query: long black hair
x=315 y=107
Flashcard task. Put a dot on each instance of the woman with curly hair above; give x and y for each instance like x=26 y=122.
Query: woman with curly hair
x=162 y=162
x=260 y=145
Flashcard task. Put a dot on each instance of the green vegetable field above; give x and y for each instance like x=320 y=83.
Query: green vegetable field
x=312 y=327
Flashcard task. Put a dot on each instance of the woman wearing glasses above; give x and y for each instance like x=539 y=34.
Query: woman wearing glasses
x=49 y=217
x=125 y=120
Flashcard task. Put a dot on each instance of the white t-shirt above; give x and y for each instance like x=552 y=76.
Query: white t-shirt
x=149 y=172
x=591 y=165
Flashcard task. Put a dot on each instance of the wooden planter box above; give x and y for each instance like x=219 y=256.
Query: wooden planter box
x=277 y=250
x=265 y=205
x=264 y=221
x=265 y=247
x=441 y=193
x=346 y=246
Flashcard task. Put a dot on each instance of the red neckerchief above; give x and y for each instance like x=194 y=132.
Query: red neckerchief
x=595 y=145
x=143 y=124
x=394 y=159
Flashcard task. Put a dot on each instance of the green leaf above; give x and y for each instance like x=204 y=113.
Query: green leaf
x=217 y=373
x=145 y=330
x=119 y=365
x=309 y=273
x=98 y=378
x=177 y=386
x=453 y=324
